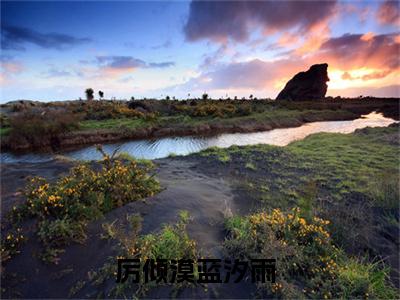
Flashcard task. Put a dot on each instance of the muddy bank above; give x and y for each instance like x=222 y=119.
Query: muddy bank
x=207 y=200
x=78 y=138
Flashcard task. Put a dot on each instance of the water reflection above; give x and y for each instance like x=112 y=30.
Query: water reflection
x=158 y=148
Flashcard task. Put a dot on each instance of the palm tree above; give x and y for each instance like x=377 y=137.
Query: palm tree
x=101 y=94
x=89 y=94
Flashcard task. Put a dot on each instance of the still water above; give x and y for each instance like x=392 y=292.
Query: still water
x=162 y=147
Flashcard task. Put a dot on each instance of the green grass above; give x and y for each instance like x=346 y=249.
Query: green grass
x=350 y=179
x=337 y=164
x=270 y=116
x=112 y=124
x=171 y=242
x=4 y=131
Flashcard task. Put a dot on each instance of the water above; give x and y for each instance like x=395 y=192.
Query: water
x=162 y=147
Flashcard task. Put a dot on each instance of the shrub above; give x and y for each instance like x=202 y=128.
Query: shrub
x=102 y=110
x=308 y=264
x=64 y=208
x=4 y=121
x=10 y=244
x=38 y=128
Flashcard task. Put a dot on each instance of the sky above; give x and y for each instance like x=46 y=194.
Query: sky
x=54 y=50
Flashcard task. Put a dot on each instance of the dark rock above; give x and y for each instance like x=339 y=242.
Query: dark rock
x=309 y=85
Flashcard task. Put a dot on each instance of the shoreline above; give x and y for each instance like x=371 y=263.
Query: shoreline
x=305 y=113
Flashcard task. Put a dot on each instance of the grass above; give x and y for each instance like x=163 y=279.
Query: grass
x=337 y=164
x=112 y=124
x=171 y=242
x=104 y=115
x=351 y=180
x=4 y=131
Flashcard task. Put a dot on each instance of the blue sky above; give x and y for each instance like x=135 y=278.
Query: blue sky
x=55 y=50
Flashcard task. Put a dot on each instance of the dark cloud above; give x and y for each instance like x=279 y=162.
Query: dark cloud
x=221 y=20
x=15 y=38
x=128 y=63
x=166 y=64
x=389 y=13
x=120 y=62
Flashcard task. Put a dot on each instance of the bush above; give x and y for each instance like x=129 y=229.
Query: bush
x=64 y=208
x=10 y=244
x=102 y=110
x=38 y=128
x=308 y=264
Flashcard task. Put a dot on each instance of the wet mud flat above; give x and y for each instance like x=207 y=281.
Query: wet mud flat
x=208 y=200
x=213 y=185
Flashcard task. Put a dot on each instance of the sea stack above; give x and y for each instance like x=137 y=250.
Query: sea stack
x=309 y=85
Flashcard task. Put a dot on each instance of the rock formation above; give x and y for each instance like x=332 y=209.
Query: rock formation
x=309 y=85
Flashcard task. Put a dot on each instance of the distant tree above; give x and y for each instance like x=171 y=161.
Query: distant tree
x=251 y=97
x=89 y=94
x=204 y=96
x=167 y=98
x=235 y=98
x=173 y=98
x=101 y=94
x=132 y=98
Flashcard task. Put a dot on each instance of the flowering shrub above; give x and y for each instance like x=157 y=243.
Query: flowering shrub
x=308 y=264
x=10 y=244
x=64 y=208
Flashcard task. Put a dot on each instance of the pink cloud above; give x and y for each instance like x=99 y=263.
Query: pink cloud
x=389 y=13
x=242 y=17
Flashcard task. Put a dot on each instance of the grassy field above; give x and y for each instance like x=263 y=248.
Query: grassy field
x=49 y=125
x=350 y=182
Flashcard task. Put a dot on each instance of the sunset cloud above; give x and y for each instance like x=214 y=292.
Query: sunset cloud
x=351 y=51
x=222 y=20
x=389 y=13
x=221 y=47
x=358 y=58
